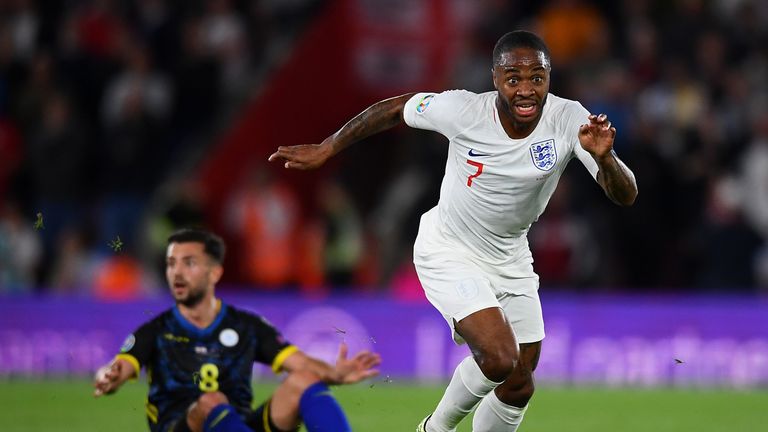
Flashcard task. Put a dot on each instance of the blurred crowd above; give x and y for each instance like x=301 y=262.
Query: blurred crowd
x=684 y=84
x=105 y=106
x=108 y=107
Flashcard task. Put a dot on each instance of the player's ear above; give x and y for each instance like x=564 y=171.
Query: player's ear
x=217 y=270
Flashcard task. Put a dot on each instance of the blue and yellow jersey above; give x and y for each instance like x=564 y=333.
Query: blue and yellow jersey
x=183 y=361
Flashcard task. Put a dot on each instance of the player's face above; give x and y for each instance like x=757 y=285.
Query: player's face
x=521 y=77
x=190 y=272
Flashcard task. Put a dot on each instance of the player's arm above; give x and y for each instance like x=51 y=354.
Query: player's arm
x=346 y=370
x=111 y=376
x=137 y=349
x=616 y=179
x=378 y=117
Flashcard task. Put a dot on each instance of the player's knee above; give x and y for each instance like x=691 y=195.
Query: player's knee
x=203 y=406
x=499 y=363
x=518 y=396
x=208 y=401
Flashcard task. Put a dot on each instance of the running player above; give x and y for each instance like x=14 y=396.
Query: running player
x=507 y=151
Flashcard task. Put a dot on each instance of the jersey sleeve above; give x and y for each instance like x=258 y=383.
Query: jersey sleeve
x=574 y=116
x=272 y=348
x=439 y=112
x=138 y=348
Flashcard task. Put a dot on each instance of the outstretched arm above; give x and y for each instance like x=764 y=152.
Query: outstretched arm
x=616 y=179
x=110 y=377
x=376 y=118
x=346 y=371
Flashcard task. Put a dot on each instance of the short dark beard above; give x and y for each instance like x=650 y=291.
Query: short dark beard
x=526 y=128
x=193 y=299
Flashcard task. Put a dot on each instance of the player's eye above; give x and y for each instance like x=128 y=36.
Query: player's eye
x=538 y=79
x=512 y=81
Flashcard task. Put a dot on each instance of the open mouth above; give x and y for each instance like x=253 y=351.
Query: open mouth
x=525 y=109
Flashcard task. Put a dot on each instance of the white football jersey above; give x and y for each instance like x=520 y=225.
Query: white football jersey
x=494 y=186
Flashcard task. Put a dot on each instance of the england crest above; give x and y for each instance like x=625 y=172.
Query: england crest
x=544 y=154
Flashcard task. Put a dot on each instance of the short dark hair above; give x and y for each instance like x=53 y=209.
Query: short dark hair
x=519 y=39
x=213 y=245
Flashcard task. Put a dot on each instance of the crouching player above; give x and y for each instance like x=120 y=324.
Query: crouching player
x=199 y=356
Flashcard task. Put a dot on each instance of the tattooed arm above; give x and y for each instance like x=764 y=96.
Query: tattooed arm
x=376 y=118
x=616 y=179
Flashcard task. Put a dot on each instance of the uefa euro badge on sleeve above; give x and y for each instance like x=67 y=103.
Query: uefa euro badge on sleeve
x=544 y=154
x=128 y=343
x=424 y=103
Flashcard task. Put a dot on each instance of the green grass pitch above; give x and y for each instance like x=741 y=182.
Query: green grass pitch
x=27 y=406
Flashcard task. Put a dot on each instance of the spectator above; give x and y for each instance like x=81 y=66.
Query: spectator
x=20 y=251
x=136 y=106
x=343 y=235
x=56 y=155
x=263 y=214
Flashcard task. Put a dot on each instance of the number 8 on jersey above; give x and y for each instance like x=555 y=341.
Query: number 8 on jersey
x=209 y=375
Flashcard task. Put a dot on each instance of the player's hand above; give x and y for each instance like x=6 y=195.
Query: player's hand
x=356 y=369
x=596 y=137
x=107 y=379
x=303 y=157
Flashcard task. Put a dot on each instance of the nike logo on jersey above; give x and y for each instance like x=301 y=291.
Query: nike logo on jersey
x=472 y=153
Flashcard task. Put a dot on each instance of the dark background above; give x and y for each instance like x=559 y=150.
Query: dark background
x=122 y=120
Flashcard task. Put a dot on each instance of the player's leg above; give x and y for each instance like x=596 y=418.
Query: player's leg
x=503 y=408
x=301 y=397
x=212 y=413
x=494 y=357
x=463 y=294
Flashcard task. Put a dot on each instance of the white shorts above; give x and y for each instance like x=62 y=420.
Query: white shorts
x=458 y=283
x=459 y=288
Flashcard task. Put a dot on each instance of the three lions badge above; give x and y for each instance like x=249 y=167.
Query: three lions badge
x=544 y=154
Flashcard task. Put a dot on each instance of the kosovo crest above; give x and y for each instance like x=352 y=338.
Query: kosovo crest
x=544 y=154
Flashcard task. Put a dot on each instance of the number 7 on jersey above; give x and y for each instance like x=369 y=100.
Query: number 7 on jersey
x=479 y=171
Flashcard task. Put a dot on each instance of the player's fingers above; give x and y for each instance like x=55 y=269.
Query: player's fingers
x=343 y=349
x=112 y=373
x=369 y=358
x=278 y=153
x=607 y=125
x=285 y=152
x=100 y=389
x=613 y=132
x=285 y=155
x=372 y=362
x=367 y=355
x=363 y=357
x=602 y=118
x=368 y=362
x=295 y=165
